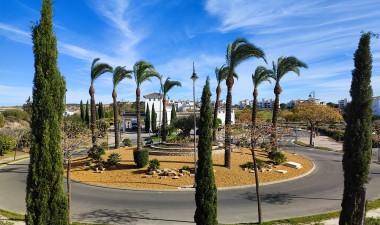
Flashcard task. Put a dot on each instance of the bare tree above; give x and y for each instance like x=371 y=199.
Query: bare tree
x=74 y=135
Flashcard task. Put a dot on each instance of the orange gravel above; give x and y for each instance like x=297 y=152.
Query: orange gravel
x=127 y=175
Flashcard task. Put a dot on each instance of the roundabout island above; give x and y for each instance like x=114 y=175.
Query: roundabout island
x=176 y=171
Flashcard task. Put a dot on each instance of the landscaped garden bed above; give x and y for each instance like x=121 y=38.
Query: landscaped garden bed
x=127 y=175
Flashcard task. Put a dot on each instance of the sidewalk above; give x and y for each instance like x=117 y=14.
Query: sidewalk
x=10 y=159
x=323 y=141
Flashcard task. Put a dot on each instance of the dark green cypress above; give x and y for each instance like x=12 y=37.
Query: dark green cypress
x=154 y=119
x=173 y=113
x=147 y=119
x=46 y=203
x=87 y=115
x=205 y=191
x=82 y=116
x=357 y=144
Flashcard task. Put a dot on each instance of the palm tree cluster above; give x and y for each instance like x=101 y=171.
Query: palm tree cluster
x=237 y=52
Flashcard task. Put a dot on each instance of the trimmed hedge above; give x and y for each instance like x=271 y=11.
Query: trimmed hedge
x=141 y=157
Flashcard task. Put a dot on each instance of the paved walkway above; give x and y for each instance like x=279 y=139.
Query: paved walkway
x=10 y=159
x=323 y=141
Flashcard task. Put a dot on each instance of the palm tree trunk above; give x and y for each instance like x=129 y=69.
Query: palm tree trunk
x=253 y=146
x=214 y=122
x=277 y=92
x=164 y=119
x=115 y=120
x=138 y=118
x=227 y=143
x=93 y=116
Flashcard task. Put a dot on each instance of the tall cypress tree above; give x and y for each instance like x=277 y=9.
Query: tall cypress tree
x=357 y=144
x=46 y=202
x=173 y=113
x=205 y=191
x=147 y=119
x=154 y=119
x=87 y=115
x=82 y=116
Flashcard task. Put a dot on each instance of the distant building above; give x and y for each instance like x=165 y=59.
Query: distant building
x=376 y=105
x=222 y=115
x=244 y=103
x=342 y=103
x=156 y=100
x=266 y=104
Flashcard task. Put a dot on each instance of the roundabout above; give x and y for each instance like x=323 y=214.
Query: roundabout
x=319 y=192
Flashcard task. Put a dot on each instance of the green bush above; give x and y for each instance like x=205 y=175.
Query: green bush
x=277 y=157
x=113 y=159
x=265 y=145
x=250 y=165
x=104 y=145
x=141 y=157
x=16 y=114
x=154 y=164
x=127 y=142
x=372 y=221
x=96 y=153
x=2 y=120
x=6 y=143
x=187 y=168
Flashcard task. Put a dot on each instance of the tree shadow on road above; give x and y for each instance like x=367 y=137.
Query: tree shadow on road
x=125 y=216
x=276 y=198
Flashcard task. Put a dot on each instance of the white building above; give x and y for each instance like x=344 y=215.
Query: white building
x=156 y=100
x=222 y=115
x=244 y=103
x=376 y=105
x=266 y=104
x=342 y=103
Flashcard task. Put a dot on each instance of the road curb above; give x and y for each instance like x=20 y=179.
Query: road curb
x=12 y=162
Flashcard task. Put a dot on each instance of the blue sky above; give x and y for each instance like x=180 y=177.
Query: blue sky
x=171 y=34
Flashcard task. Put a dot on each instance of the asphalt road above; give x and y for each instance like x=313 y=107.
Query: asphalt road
x=319 y=192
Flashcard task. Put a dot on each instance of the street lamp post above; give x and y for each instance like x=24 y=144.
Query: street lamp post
x=194 y=77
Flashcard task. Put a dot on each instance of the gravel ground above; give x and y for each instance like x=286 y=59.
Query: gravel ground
x=126 y=175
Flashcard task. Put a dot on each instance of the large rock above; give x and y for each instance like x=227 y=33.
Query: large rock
x=293 y=165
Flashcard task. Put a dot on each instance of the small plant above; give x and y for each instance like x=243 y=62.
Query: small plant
x=187 y=168
x=96 y=153
x=113 y=159
x=154 y=164
x=250 y=165
x=104 y=145
x=277 y=157
x=127 y=142
x=7 y=143
x=265 y=145
x=141 y=157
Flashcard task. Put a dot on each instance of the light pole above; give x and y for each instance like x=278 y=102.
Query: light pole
x=194 y=77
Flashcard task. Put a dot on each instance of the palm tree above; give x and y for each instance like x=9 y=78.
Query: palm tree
x=261 y=75
x=168 y=85
x=119 y=74
x=283 y=66
x=221 y=74
x=237 y=52
x=142 y=71
x=97 y=69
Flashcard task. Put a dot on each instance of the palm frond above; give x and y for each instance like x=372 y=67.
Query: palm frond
x=168 y=85
x=143 y=71
x=119 y=74
x=241 y=50
x=98 y=69
x=261 y=75
x=221 y=74
x=288 y=64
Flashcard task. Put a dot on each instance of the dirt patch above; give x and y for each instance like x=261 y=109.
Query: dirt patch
x=127 y=175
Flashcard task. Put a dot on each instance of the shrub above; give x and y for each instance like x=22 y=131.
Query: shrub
x=2 y=120
x=277 y=157
x=187 y=168
x=16 y=114
x=141 y=157
x=96 y=153
x=104 y=145
x=7 y=143
x=265 y=145
x=127 y=142
x=154 y=164
x=113 y=159
x=250 y=165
